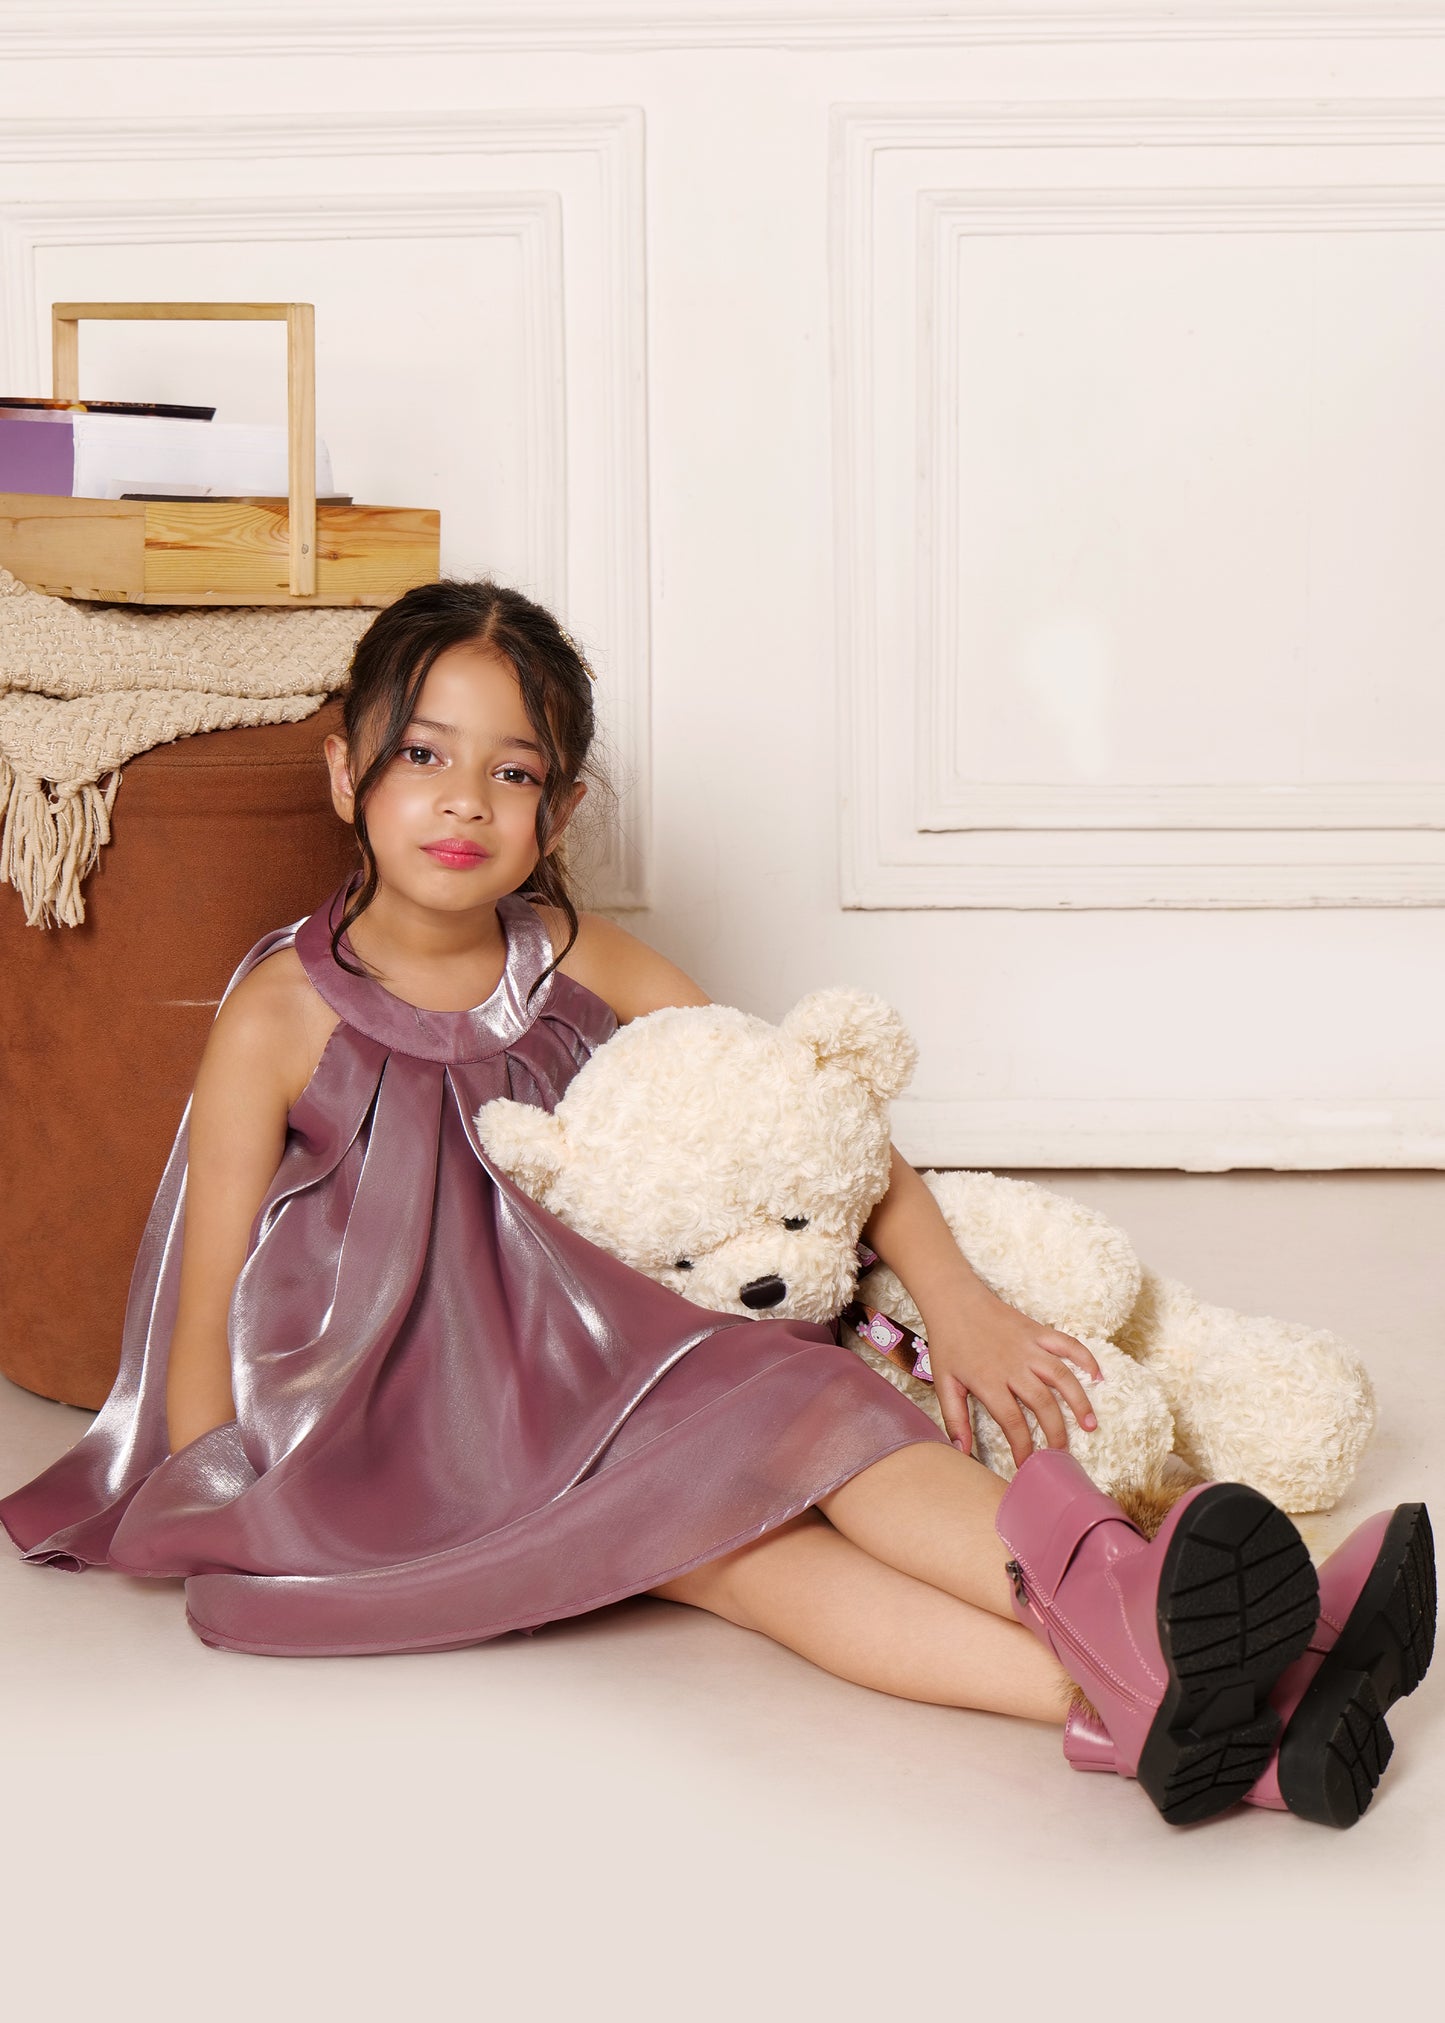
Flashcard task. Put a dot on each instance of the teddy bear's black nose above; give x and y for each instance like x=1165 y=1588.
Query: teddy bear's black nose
x=762 y=1292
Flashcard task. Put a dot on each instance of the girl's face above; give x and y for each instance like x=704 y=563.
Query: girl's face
x=469 y=773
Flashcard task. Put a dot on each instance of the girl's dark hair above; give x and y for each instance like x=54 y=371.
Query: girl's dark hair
x=390 y=663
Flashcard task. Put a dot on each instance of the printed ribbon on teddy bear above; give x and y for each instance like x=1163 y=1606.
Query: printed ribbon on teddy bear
x=900 y=1345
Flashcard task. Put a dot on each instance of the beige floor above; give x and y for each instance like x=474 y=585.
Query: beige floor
x=649 y=1813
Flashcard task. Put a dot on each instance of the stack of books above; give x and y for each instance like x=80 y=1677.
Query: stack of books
x=97 y=449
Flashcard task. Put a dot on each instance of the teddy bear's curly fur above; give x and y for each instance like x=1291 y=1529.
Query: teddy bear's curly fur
x=737 y=1162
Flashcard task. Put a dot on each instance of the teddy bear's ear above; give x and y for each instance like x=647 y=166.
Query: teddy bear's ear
x=524 y=1141
x=853 y=1029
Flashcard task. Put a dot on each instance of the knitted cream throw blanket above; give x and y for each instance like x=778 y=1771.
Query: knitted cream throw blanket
x=85 y=687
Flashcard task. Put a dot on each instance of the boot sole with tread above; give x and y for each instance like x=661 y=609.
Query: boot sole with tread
x=1238 y=1599
x=1336 y=1746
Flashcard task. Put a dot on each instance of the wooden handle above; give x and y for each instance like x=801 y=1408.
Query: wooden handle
x=300 y=320
x=301 y=445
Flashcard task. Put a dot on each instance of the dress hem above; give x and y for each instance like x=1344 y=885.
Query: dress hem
x=247 y=1648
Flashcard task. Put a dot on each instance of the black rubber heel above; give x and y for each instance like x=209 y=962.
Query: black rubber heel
x=1206 y=1775
x=1238 y=1599
x=1391 y=1629
x=1337 y=1745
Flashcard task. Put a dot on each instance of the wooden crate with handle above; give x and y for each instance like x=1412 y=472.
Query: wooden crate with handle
x=212 y=551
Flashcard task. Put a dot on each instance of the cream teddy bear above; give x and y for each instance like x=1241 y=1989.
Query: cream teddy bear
x=737 y=1162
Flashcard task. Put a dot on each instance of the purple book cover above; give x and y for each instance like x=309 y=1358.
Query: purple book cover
x=36 y=456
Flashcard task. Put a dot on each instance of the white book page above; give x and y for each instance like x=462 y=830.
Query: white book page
x=134 y=453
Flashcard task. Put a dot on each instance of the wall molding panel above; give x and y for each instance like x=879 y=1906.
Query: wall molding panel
x=940 y=838
x=586 y=326
x=71 y=28
x=948 y=801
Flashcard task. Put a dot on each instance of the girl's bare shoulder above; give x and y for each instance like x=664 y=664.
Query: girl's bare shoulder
x=618 y=967
x=277 y=1023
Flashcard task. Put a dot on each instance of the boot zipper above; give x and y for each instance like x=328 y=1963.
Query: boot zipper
x=1058 y=1629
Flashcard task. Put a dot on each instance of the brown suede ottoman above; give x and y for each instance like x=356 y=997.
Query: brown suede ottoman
x=214 y=840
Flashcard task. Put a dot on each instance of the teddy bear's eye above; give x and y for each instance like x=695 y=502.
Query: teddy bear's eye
x=682 y=1264
x=795 y=1222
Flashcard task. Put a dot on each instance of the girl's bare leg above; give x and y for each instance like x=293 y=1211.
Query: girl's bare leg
x=929 y=1511
x=807 y=1586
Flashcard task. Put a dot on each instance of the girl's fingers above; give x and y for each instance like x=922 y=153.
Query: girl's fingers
x=953 y=1404
x=1063 y=1380
x=1044 y=1406
x=1065 y=1345
x=1014 y=1427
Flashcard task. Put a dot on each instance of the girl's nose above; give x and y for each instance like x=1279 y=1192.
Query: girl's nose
x=470 y=798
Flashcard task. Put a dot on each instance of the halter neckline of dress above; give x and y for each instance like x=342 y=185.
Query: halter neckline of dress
x=476 y=1034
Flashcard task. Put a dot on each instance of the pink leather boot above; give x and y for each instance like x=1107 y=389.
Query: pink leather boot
x=1176 y=1640
x=1371 y=1646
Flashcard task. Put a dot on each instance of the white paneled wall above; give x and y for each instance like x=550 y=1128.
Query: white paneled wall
x=1118 y=379
x=995 y=456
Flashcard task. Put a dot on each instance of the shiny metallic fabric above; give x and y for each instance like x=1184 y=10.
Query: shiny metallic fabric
x=454 y=1417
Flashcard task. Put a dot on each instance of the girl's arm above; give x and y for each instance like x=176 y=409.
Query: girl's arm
x=236 y=1138
x=623 y=971
x=976 y=1341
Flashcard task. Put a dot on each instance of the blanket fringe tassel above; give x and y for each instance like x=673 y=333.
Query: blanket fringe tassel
x=50 y=839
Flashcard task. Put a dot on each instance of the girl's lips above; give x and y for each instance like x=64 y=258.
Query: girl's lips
x=458 y=855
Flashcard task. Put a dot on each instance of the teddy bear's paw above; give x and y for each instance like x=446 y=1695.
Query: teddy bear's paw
x=1055 y=1259
x=1287 y=1408
x=523 y=1141
x=1135 y=1433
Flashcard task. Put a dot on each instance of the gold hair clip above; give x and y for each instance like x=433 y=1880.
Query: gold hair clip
x=586 y=663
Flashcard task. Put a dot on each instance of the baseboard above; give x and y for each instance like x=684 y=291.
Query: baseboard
x=1289 y=1134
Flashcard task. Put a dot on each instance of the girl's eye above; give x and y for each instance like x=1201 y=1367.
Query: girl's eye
x=795 y=1222
x=520 y=775
x=425 y=750
x=683 y=1264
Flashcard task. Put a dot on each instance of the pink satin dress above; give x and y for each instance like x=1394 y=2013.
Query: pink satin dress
x=454 y=1417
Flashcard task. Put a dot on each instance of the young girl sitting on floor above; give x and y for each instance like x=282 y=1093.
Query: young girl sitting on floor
x=372 y=1398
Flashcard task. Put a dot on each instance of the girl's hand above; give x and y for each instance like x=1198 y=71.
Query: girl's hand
x=1008 y=1362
